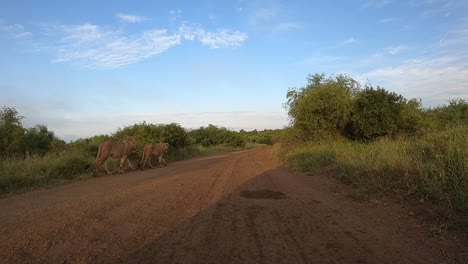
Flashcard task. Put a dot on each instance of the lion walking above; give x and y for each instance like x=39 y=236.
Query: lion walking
x=115 y=149
x=157 y=149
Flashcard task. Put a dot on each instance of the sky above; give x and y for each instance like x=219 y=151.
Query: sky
x=84 y=68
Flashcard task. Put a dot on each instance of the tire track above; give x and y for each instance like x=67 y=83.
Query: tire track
x=194 y=212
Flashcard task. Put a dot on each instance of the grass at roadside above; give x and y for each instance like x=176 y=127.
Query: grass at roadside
x=18 y=175
x=434 y=166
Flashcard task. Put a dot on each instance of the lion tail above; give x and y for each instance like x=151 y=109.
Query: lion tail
x=98 y=153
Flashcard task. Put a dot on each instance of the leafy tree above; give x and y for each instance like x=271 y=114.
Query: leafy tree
x=411 y=117
x=38 y=140
x=145 y=133
x=175 y=135
x=324 y=105
x=212 y=135
x=11 y=131
x=441 y=117
x=378 y=112
x=266 y=136
x=58 y=145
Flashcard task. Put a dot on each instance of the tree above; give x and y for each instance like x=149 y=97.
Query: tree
x=324 y=105
x=441 y=117
x=378 y=112
x=212 y=136
x=175 y=135
x=38 y=140
x=145 y=133
x=11 y=131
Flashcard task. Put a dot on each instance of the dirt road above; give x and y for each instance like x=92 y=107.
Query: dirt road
x=232 y=208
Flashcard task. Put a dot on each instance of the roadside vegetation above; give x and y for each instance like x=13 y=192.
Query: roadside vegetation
x=35 y=157
x=379 y=141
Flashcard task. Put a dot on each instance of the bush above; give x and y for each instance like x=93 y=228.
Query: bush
x=311 y=159
x=322 y=106
x=443 y=167
x=175 y=135
x=446 y=116
x=145 y=133
x=19 y=174
x=434 y=166
x=266 y=136
x=212 y=136
x=378 y=112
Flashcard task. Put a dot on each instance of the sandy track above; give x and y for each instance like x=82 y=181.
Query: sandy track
x=231 y=208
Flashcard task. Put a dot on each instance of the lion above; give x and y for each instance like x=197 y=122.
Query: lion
x=115 y=149
x=157 y=149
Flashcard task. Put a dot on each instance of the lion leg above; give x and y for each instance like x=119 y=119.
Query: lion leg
x=106 y=169
x=162 y=161
x=130 y=165
x=142 y=164
x=96 y=167
x=149 y=161
x=123 y=160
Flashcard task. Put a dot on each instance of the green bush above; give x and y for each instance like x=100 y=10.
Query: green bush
x=324 y=105
x=266 y=136
x=175 y=135
x=434 y=166
x=378 y=112
x=264 y=139
x=11 y=133
x=443 y=167
x=311 y=159
x=446 y=116
x=145 y=133
x=39 y=171
x=213 y=135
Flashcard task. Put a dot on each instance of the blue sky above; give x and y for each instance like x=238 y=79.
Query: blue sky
x=89 y=67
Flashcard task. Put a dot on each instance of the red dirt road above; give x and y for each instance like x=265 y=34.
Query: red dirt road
x=239 y=207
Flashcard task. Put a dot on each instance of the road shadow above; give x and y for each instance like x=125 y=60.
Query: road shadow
x=268 y=219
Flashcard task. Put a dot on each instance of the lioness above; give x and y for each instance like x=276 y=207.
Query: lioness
x=115 y=149
x=157 y=149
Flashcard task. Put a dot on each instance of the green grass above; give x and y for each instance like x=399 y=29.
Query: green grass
x=443 y=171
x=311 y=159
x=433 y=166
x=51 y=169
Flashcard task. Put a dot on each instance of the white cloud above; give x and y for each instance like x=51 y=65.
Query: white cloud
x=23 y=35
x=11 y=28
x=222 y=38
x=436 y=78
x=397 y=49
x=175 y=14
x=439 y=75
x=95 y=47
x=91 y=46
x=15 y=31
x=350 y=40
x=388 y=20
x=127 y=18
x=372 y=59
x=85 y=33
